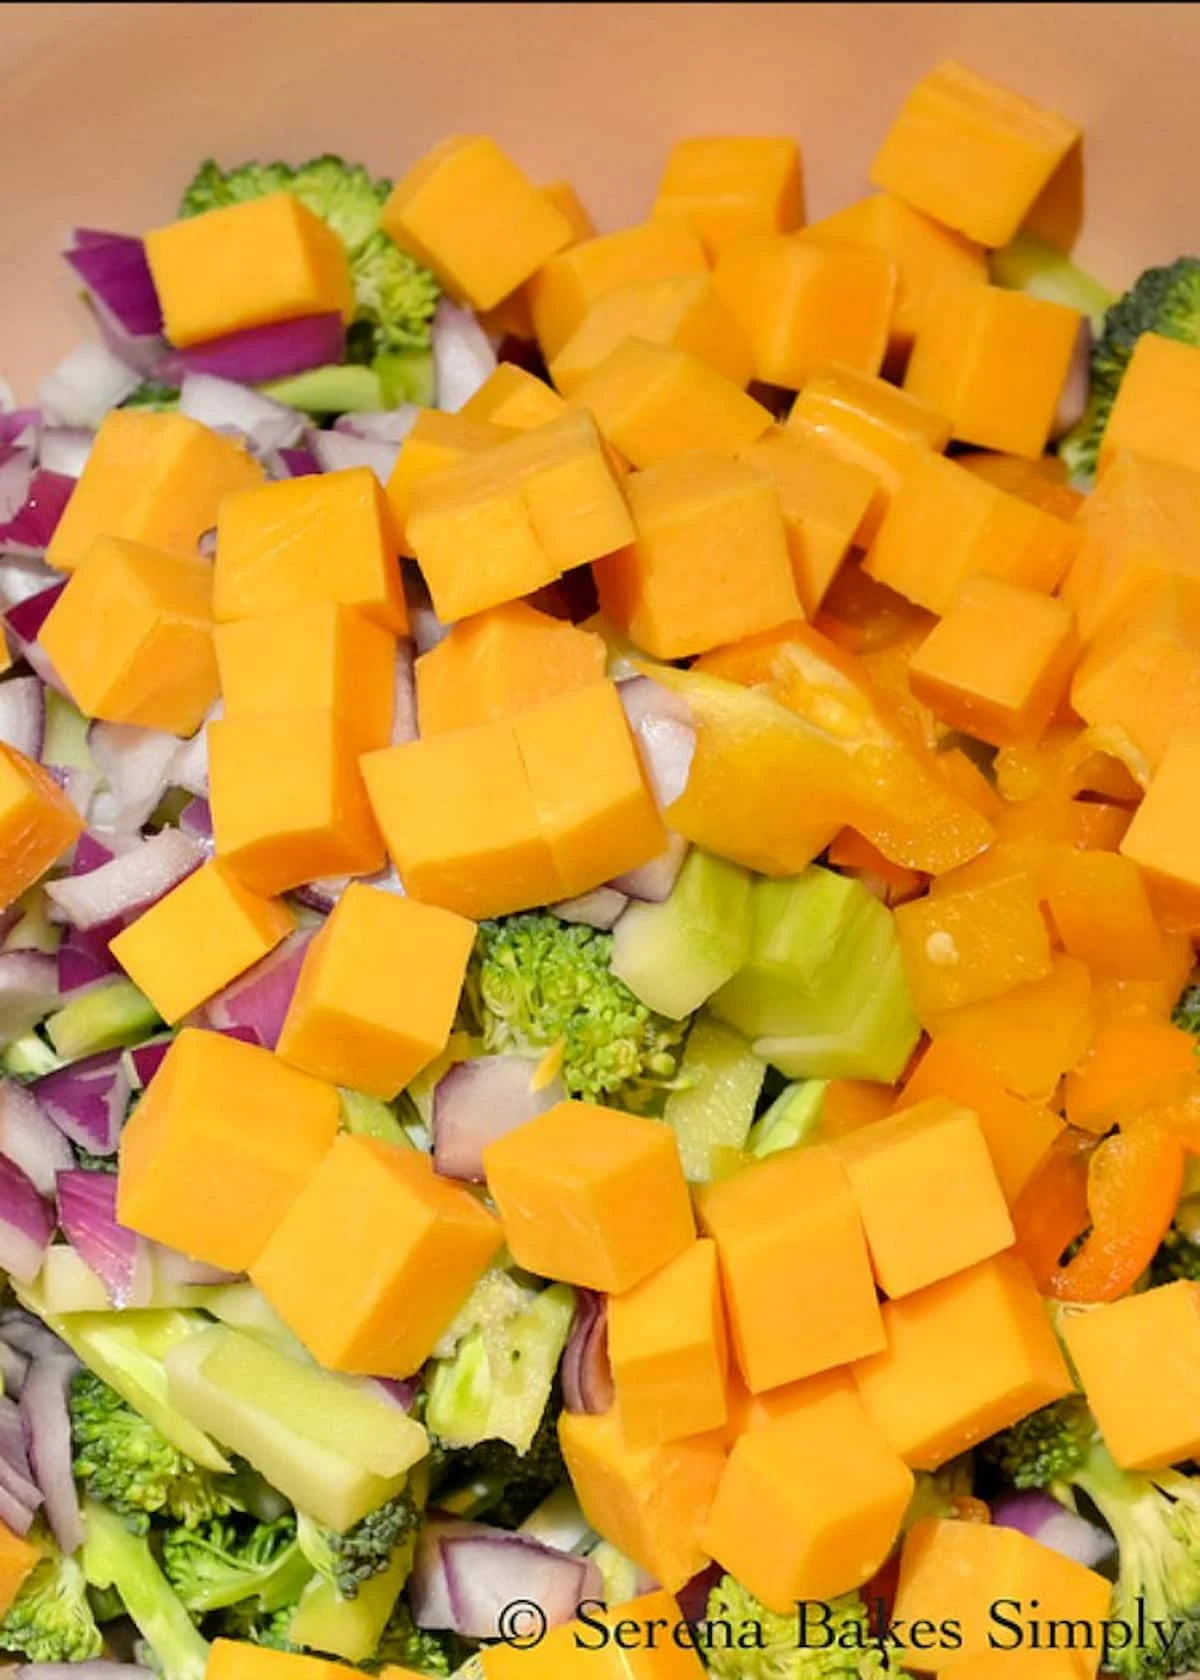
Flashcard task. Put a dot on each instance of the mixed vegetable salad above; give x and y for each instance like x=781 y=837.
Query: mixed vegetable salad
x=598 y=893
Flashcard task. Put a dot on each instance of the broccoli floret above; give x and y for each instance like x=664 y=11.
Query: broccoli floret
x=1162 y=300
x=395 y=296
x=230 y=1562
x=1178 y=1257
x=1186 y=1013
x=115 y=1557
x=405 y=1645
x=245 y=1621
x=760 y=1645
x=95 y=1163
x=51 y=1619
x=364 y=1551
x=495 y=1482
x=1047 y=1449
x=123 y=1461
x=534 y=983
x=154 y=396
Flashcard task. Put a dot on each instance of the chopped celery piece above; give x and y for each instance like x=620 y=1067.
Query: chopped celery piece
x=243 y=1307
x=460 y=1047
x=675 y=954
x=620 y=1576
x=1031 y=265
x=114 y=1557
x=623 y=655
x=875 y=1040
x=368 y=1117
x=721 y=1078
x=29 y=1056
x=496 y=1384
x=406 y=376
x=342 y=389
x=791 y=1119
x=66 y=739
x=67 y=1284
x=559 y=1521
x=349 y=1628
x=34 y=931
x=108 y=1016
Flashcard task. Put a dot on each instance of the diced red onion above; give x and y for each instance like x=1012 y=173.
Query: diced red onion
x=87 y=1213
x=19 y=1493
x=1044 y=1519
x=26 y=1224
x=145 y=353
x=425 y=627
x=28 y=991
x=258 y=354
x=196 y=819
x=224 y=405
x=13 y=1514
x=21 y=578
x=87 y=1100
x=30 y=1138
x=23 y=715
x=21 y=1330
x=293 y=463
x=47 y=1426
x=16 y=479
x=388 y=425
x=486 y=1573
x=587 y=1380
x=100 y=1669
x=25 y=619
x=86 y=384
x=146 y=1059
x=113 y=267
x=129 y=883
x=80 y=786
x=463 y=356
x=91 y=852
x=65 y=449
x=21 y=425
x=665 y=732
x=335 y=451
x=428 y=1589
x=479 y=1100
x=692 y=1597
x=654 y=880
x=404 y=712
x=136 y=764
x=28 y=533
x=83 y=959
x=258 y=1000
x=12 y=1437
x=598 y=909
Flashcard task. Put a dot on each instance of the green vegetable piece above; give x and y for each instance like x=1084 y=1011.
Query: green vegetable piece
x=1030 y=264
x=792 y=1119
x=34 y=931
x=50 y=1620
x=107 y=1016
x=369 y=1117
x=66 y=741
x=221 y=1564
x=720 y=1082
x=497 y=1383
x=350 y=1628
x=621 y=1577
x=29 y=1057
x=407 y=377
x=676 y=954
x=113 y=1556
x=766 y=1646
x=874 y=1042
x=347 y=389
x=405 y=1645
x=243 y=1307
x=153 y=396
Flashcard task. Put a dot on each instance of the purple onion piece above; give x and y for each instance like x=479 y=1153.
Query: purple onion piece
x=147 y=1058
x=654 y=880
x=477 y=1101
x=30 y=529
x=16 y=480
x=13 y=1513
x=485 y=1573
x=428 y=1588
x=258 y=354
x=129 y=883
x=665 y=731
x=30 y=1139
x=338 y=451
x=1045 y=1520
x=28 y=991
x=296 y=463
x=113 y=266
x=196 y=819
x=404 y=712
x=21 y=426
x=23 y=714
x=87 y=1213
x=587 y=1380
x=463 y=356
x=87 y=1100
x=256 y=1003
x=26 y=618
x=23 y=1331
x=47 y=1426
x=84 y=959
x=692 y=1597
x=26 y=1224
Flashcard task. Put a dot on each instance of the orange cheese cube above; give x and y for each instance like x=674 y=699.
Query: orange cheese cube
x=460 y=822
x=322 y=657
x=1133 y=1063
x=649 y=1502
x=590 y=1195
x=374 y=1257
x=564 y=198
x=1042 y=481
x=643 y=1638
x=1103 y=913
x=511 y=397
x=870 y=424
x=970 y=153
x=437 y=441
x=203 y=934
x=682 y=311
x=995 y=363
x=997 y=664
x=652 y=401
x=1142 y=670
x=508 y=520
x=288 y=804
x=512 y=315
x=1030 y=1035
x=965 y=1357
x=237 y=1659
x=963 y=944
x=566 y=287
x=810 y=1504
x=131 y=636
x=501 y=662
x=794 y=1265
x=602 y=824
x=732 y=185
x=1138 y=1361
x=823 y=499
x=928 y=258
x=247 y=265
x=469 y=213
x=18 y=1559
x=1157 y=410
x=151 y=478
x=945 y=524
x=667 y=1344
x=377 y=992
x=37 y=823
x=956 y=1572
x=709 y=563
x=1159 y=837
x=326 y=537
x=220 y=1143
x=1020 y=1663
x=1018 y=1134
x=952 y=1213
x=801 y=305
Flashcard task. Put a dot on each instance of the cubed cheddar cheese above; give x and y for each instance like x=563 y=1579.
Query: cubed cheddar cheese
x=652 y=401
x=247 y=265
x=37 y=823
x=954 y=1571
x=794 y=1266
x=240 y=1659
x=1003 y=688
x=945 y=524
x=500 y=662
x=203 y=934
x=683 y=311
x=995 y=362
x=591 y=1196
x=668 y=1347
x=709 y=562
x=325 y=657
x=965 y=1357
x=18 y=1559
x=566 y=287
x=809 y=1505
x=512 y=316
x=377 y=993
x=1103 y=914
x=222 y=1140
x=374 y=1257
x=971 y=154
x=643 y=1638
x=870 y=424
x=1157 y=409
x=1019 y=1663
x=1139 y=1364
x=326 y=537
x=1160 y=837
x=962 y=944
x=729 y=185
x=927 y=257
x=506 y=521
x=151 y=478
x=1132 y=1064
x=436 y=441
x=563 y=196
x=1042 y=481
x=801 y=305
x=649 y=1502
x=952 y=1213
x=288 y=803
x=131 y=636
x=1141 y=672
x=470 y=214
x=511 y=397
x=823 y=499
x=1031 y=1035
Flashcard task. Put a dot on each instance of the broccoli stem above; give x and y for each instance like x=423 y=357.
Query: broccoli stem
x=115 y=1557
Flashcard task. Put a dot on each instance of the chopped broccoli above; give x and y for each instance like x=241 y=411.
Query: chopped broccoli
x=364 y=1551
x=114 y=1556
x=495 y=1482
x=124 y=1462
x=154 y=396
x=227 y=1562
x=254 y=1626
x=746 y=1641
x=1045 y=1449
x=534 y=983
x=1186 y=1013
x=404 y=1645
x=1178 y=1257
x=51 y=1621
x=1162 y=300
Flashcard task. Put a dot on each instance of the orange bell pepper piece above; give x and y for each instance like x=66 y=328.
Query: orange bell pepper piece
x=1133 y=1184
x=857 y=856
x=1052 y=1209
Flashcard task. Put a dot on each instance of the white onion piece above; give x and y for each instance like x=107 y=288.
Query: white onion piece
x=404 y=711
x=387 y=425
x=480 y=1100
x=130 y=883
x=22 y=577
x=16 y=476
x=86 y=384
x=188 y=769
x=135 y=763
x=65 y=449
x=26 y=1224
x=23 y=715
x=224 y=405
x=463 y=356
x=597 y=909
x=1040 y=1516
x=428 y=1590
x=654 y=880
x=8 y=397
x=666 y=735
x=487 y=1573
x=28 y=991
x=1072 y=399
x=47 y=1425
x=337 y=451
x=30 y=1139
